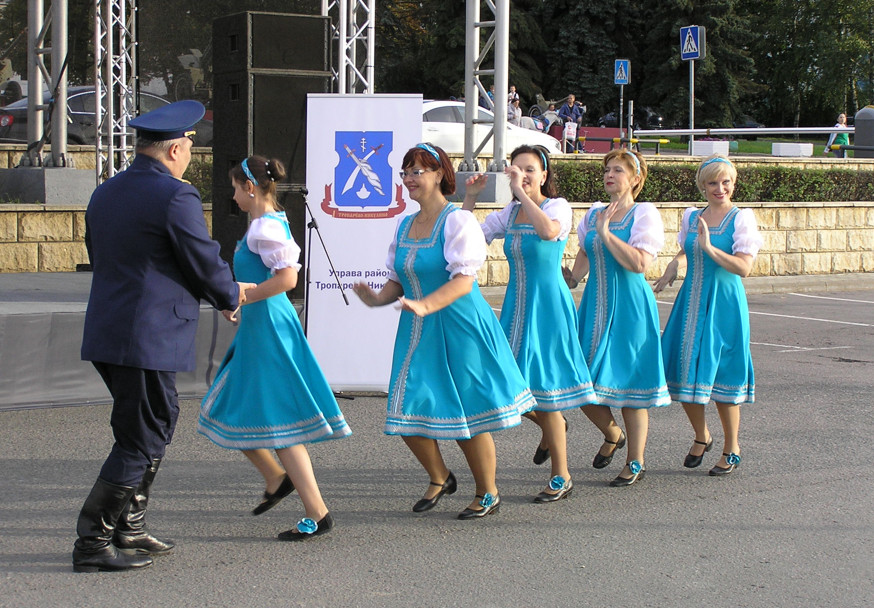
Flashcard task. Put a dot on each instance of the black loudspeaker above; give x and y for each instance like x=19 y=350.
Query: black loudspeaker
x=264 y=64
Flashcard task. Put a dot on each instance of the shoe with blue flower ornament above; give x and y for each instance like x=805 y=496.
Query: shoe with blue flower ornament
x=308 y=528
x=561 y=488
x=731 y=459
x=637 y=473
x=490 y=503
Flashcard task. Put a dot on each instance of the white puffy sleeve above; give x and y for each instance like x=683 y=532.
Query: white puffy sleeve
x=465 y=246
x=648 y=230
x=392 y=250
x=495 y=226
x=583 y=227
x=559 y=210
x=268 y=237
x=747 y=238
x=684 y=226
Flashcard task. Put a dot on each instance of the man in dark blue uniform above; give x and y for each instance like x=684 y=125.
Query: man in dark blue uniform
x=153 y=261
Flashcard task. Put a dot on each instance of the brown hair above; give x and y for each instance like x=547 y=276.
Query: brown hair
x=548 y=187
x=424 y=155
x=266 y=174
x=632 y=161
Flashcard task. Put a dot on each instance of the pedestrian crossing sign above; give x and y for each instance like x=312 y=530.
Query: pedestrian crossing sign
x=622 y=71
x=692 y=42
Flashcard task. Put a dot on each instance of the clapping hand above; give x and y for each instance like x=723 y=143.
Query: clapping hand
x=704 y=238
x=475 y=184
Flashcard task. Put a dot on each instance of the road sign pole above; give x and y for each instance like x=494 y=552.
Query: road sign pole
x=621 y=105
x=691 y=102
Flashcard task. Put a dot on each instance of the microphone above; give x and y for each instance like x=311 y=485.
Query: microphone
x=303 y=190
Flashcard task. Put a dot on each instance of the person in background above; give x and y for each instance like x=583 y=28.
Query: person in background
x=706 y=342
x=453 y=373
x=514 y=113
x=512 y=95
x=269 y=392
x=538 y=311
x=839 y=139
x=618 y=317
x=153 y=261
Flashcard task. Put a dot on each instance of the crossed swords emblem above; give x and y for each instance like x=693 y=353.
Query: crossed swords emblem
x=362 y=166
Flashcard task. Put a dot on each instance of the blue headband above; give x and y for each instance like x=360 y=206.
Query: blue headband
x=248 y=173
x=715 y=159
x=543 y=158
x=429 y=148
x=636 y=162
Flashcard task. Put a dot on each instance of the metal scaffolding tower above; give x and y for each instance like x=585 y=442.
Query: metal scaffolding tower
x=353 y=30
x=116 y=83
x=474 y=68
x=38 y=25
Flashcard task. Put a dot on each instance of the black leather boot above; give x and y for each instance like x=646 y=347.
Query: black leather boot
x=131 y=532
x=93 y=550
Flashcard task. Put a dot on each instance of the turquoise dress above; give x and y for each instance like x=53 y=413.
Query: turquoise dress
x=538 y=312
x=618 y=318
x=269 y=391
x=706 y=343
x=453 y=375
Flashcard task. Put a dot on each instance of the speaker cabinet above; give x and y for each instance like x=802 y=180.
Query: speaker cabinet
x=264 y=66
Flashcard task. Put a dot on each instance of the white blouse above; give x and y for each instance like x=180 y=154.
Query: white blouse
x=747 y=238
x=464 y=247
x=557 y=209
x=647 y=232
x=268 y=238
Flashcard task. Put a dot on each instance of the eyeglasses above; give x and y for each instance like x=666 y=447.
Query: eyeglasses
x=413 y=173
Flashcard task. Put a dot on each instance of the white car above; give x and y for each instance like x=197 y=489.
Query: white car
x=443 y=125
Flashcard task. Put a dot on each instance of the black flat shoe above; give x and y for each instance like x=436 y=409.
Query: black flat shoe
x=307 y=528
x=271 y=500
x=560 y=486
x=731 y=459
x=695 y=461
x=447 y=487
x=637 y=473
x=541 y=455
x=489 y=503
x=602 y=461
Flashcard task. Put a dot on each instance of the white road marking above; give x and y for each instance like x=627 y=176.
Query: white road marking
x=805 y=295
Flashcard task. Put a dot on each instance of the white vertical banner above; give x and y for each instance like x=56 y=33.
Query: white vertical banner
x=355 y=145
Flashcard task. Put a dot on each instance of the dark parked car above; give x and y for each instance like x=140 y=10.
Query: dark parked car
x=82 y=112
x=644 y=118
x=747 y=122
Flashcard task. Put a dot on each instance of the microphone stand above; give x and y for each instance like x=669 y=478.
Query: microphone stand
x=312 y=226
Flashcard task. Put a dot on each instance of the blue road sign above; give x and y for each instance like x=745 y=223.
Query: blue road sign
x=692 y=42
x=622 y=71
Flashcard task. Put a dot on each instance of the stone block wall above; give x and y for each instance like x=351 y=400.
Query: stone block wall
x=799 y=239
x=46 y=238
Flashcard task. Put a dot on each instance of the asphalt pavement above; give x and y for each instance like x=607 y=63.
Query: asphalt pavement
x=793 y=526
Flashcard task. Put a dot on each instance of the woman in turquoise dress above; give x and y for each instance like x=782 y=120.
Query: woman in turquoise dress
x=538 y=312
x=706 y=342
x=618 y=318
x=453 y=374
x=269 y=392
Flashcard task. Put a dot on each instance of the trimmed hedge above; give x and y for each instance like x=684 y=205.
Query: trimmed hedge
x=582 y=182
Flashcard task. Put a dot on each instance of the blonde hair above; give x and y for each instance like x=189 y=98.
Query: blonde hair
x=633 y=162
x=712 y=167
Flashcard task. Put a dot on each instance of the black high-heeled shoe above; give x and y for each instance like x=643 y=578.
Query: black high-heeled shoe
x=307 y=528
x=271 y=500
x=541 y=455
x=695 y=461
x=731 y=459
x=447 y=487
x=602 y=461
x=489 y=503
